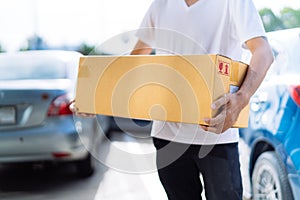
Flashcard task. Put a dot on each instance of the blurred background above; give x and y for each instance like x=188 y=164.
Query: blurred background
x=80 y=25
x=83 y=26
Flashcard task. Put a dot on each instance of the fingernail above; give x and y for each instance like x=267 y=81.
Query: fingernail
x=213 y=106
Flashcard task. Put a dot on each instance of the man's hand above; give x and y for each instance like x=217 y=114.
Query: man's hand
x=229 y=107
x=74 y=109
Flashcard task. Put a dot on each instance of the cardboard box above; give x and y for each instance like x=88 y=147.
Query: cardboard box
x=161 y=87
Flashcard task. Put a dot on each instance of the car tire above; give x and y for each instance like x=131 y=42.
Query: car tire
x=85 y=167
x=269 y=178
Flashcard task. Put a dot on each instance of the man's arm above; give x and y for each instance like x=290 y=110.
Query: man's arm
x=141 y=48
x=232 y=104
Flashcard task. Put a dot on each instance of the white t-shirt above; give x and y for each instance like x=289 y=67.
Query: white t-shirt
x=206 y=27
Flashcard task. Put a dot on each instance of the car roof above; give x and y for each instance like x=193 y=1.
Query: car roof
x=58 y=54
x=289 y=36
x=54 y=59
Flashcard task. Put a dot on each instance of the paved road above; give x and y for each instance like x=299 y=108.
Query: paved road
x=60 y=182
x=122 y=173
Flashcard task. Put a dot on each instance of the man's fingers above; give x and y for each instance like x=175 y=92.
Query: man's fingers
x=211 y=129
x=73 y=107
x=220 y=102
x=75 y=110
x=225 y=118
x=215 y=124
x=85 y=114
x=218 y=120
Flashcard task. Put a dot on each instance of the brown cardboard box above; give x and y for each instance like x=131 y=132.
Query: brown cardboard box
x=161 y=87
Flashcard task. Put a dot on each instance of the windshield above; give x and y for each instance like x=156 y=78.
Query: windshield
x=28 y=67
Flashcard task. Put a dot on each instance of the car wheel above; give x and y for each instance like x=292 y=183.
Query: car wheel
x=85 y=167
x=269 y=179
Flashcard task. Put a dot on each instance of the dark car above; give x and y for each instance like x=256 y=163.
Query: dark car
x=273 y=135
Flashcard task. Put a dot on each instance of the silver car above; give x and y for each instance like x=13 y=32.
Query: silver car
x=36 y=124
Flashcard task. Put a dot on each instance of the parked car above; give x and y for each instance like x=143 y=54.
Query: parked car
x=36 y=124
x=273 y=135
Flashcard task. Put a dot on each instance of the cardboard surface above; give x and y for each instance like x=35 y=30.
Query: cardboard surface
x=161 y=87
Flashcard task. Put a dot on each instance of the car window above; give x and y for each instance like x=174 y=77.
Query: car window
x=31 y=68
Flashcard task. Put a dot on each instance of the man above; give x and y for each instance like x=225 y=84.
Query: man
x=205 y=27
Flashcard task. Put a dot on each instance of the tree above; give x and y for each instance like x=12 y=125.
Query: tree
x=270 y=20
x=86 y=49
x=290 y=17
x=1 y=49
x=35 y=42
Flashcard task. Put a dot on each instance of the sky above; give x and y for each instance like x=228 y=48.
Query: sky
x=69 y=22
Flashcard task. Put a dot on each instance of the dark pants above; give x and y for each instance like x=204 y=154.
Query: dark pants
x=179 y=167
